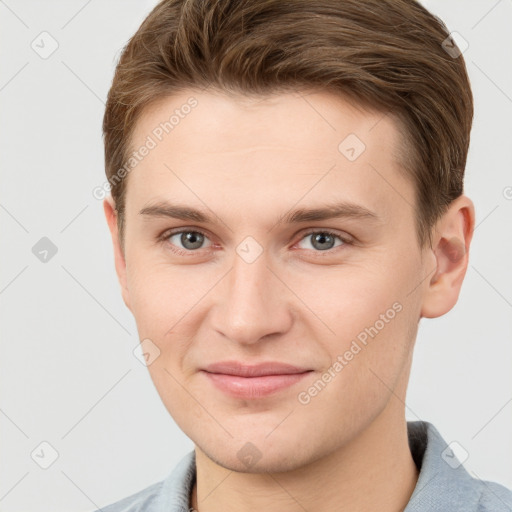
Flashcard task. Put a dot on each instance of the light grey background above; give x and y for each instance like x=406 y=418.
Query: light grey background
x=68 y=374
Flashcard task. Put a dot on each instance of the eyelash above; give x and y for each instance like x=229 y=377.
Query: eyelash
x=164 y=238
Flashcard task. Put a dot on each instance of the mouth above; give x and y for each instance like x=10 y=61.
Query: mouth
x=254 y=381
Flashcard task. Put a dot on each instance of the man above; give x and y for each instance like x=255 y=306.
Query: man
x=287 y=204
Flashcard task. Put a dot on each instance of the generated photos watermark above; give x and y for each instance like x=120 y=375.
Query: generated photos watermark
x=152 y=140
x=305 y=397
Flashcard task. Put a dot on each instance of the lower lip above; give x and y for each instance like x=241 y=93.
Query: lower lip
x=253 y=387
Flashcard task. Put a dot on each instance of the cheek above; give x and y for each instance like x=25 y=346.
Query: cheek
x=345 y=298
x=367 y=323
x=162 y=294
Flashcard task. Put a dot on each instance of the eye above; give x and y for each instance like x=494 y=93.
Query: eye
x=323 y=240
x=184 y=241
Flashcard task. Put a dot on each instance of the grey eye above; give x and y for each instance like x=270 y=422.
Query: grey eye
x=322 y=241
x=190 y=240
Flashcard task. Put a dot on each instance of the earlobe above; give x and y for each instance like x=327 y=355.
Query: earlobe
x=454 y=232
x=119 y=257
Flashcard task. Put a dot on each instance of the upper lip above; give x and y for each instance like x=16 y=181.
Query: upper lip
x=254 y=370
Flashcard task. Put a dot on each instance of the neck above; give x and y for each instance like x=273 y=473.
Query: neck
x=374 y=471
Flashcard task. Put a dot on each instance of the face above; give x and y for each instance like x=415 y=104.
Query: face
x=252 y=277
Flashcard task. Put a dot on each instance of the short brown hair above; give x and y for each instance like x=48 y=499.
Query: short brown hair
x=390 y=55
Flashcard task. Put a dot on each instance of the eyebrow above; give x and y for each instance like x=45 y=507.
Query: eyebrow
x=344 y=209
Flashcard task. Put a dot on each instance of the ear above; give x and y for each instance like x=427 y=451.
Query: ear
x=450 y=245
x=119 y=257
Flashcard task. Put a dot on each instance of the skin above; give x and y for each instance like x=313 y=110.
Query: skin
x=248 y=161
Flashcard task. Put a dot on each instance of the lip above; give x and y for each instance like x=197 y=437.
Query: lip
x=254 y=370
x=253 y=381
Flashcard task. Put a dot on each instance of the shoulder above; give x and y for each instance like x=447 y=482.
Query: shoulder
x=444 y=483
x=169 y=495
x=494 y=497
x=144 y=500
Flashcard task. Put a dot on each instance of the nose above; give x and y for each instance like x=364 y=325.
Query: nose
x=252 y=302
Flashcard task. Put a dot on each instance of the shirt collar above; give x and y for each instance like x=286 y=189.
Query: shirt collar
x=442 y=481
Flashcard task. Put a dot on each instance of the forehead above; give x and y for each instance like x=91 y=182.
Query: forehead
x=282 y=148
x=312 y=118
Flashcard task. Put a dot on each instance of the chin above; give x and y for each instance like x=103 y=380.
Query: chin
x=273 y=464
x=258 y=454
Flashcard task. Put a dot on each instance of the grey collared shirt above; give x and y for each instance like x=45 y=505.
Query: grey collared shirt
x=443 y=485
